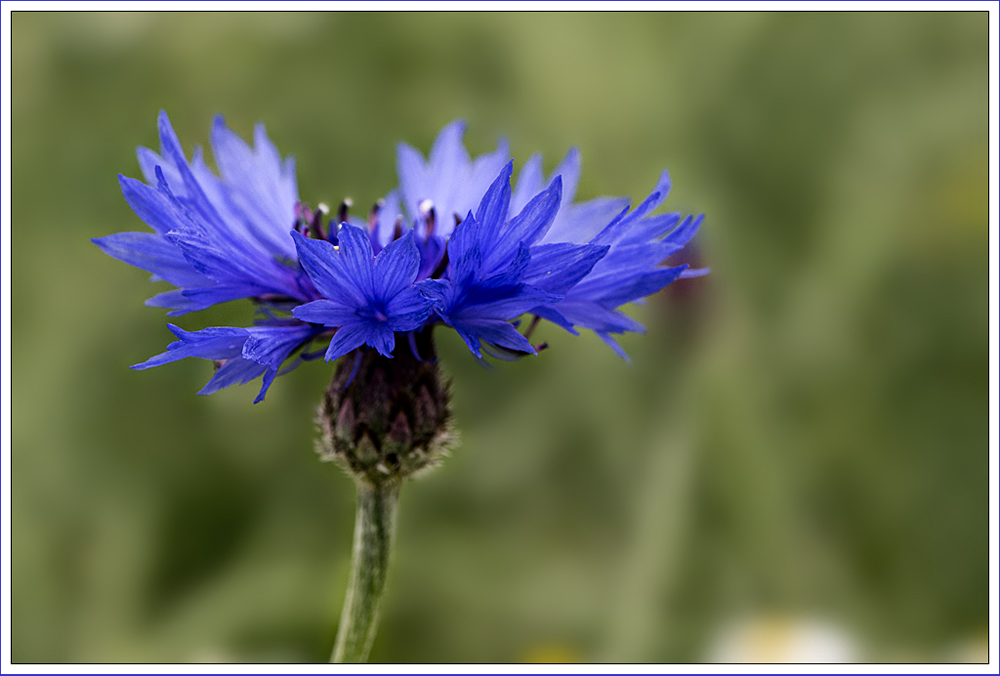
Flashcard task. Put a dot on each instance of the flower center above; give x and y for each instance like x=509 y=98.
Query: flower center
x=310 y=223
x=429 y=217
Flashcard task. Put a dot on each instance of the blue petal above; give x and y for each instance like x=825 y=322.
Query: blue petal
x=154 y=254
x=431 y=252
x=326 y=312
x=694 y=272
x=529 y=183
x=408 y=310
x=155 y=208
x=149 y=160
x=684 y=232
x=412 y=180
x=348 y=337
x=382 y=338
x=615 y=292
x=651 y=228
x=221 y=252
x=322 y=263
x=220 y=342
x=492 y=210
x=448 y=162
x=557 y=267
x=261 y=189
x=655 y=198
x=269 y=376
x=386 y=219
x=484 y=170
x=271 y=345
x=174 y=299
x=549 y=312
x=508 y=274
x=533 y=220
x=194 y=196
x=435 y=290
x=207 y=296
x=504 y=303
x=463 y=273
x=622 y=261
x=235 y=371
x=590 y=315
x=204 y=255
x=244 y=354
x=464 y=257
x=396 y=267
x=452 y=183
x=471 y=340
x=613 y=344
x=579 y=223
x=232 y=233
x=492 y=331
x=569 y=170
x=613 y=231
x=240 y=224
x=527 y=227
x=357 y=258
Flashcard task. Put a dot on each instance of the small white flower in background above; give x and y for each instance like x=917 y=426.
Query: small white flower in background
x=783 y=639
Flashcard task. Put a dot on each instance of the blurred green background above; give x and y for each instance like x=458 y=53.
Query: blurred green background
x=793 y=466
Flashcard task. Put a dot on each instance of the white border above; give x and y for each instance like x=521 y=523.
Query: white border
x=994 y=243
x=501 y=5
x=5 y=356
x=5 y=278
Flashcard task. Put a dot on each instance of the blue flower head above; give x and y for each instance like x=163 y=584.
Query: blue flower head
x=216 y=238
x=455 y=245
x=590 y=258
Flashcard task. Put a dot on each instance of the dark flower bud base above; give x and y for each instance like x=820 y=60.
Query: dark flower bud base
x=383 y=419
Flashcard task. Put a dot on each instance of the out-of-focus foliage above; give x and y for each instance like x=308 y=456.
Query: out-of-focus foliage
x=796 y=456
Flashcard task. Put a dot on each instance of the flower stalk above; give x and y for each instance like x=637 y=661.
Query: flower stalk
x=383 y=420
x=374 y=531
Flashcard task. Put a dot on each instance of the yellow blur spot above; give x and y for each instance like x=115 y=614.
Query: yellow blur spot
x=551 y=653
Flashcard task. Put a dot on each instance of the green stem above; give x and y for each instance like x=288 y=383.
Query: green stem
x=374 y=527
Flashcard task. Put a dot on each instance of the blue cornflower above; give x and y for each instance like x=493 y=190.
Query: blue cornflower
x=453 y=244
x=470 y=253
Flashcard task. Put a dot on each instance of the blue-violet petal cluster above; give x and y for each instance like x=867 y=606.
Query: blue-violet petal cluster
x=455 y=244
